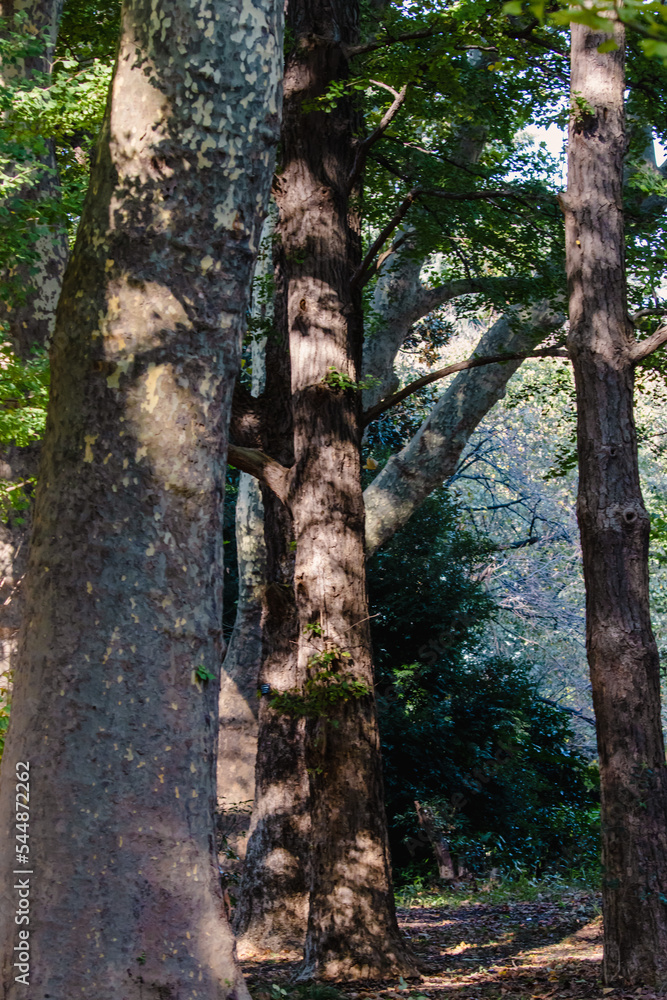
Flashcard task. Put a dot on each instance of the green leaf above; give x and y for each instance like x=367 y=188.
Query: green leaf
x=203 y=674
x=654 y=49
x=608 y=46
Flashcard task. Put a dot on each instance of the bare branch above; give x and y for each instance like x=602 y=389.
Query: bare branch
x=460 y=366
x=256 y=463
x=386 y=86
x=571 y=711
x=387 y=118
x=643 y=313
x=643 y=348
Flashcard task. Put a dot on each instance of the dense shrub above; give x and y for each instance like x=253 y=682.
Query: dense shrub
x=463 y=731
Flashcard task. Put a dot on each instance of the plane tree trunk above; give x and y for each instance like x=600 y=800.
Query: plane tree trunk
x=237 y=746
x=115 y=702
x=614 y=528
x=432 y=454
x=238 y=705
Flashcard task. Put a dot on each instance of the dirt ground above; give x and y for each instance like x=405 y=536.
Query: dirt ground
x=480 y=950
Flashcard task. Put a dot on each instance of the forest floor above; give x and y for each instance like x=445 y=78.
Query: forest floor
x=478 y=948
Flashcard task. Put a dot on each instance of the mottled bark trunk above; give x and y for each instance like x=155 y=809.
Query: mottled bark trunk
x=352 y=930
x=237 y=747
x=238 y=706
x=433 y=453
x=112 y=706
x=396 y=305
x=614 y=528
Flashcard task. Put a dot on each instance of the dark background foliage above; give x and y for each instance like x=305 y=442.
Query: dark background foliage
x=465 y=731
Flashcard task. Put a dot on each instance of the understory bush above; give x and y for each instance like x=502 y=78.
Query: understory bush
x=464 y=732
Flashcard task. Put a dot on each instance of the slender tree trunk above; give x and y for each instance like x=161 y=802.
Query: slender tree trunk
x=352 y=930
x=614 y=528
x=273 y=900
x=115 y=705
x=439 y=845
x=237 y=747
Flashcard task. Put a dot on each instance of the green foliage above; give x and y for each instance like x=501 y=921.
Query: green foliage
x=340 y=382
x=327 y=684
x=581 y=109
x=37 y=113
x=5 y=705
x=24 y=391
x=465 y=732
x=203 y=674
x=646 y=18
x=300 y=991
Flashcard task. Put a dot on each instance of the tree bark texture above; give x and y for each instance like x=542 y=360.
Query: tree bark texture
x=237 y=746
x=273 y=900
x=352 y=930
x=614 y=528
x=238 y=705
x=431 y=457
x=112 y=707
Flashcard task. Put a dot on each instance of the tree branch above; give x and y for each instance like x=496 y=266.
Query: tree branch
x=643 y=348
x=363 y=273
x=264 y=468
x=460 y=366
x=571 y=711
x=387 y=118
x=394 y=223
x=378 y=43
x=642 y=313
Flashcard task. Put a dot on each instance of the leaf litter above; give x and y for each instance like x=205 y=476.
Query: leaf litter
x=545 y=949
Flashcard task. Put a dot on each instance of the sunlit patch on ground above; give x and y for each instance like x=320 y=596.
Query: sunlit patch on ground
x=539 y=950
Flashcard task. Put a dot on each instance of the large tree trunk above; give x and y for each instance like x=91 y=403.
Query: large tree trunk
x=352 y=930
x=614 y=528
x=115 y=705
